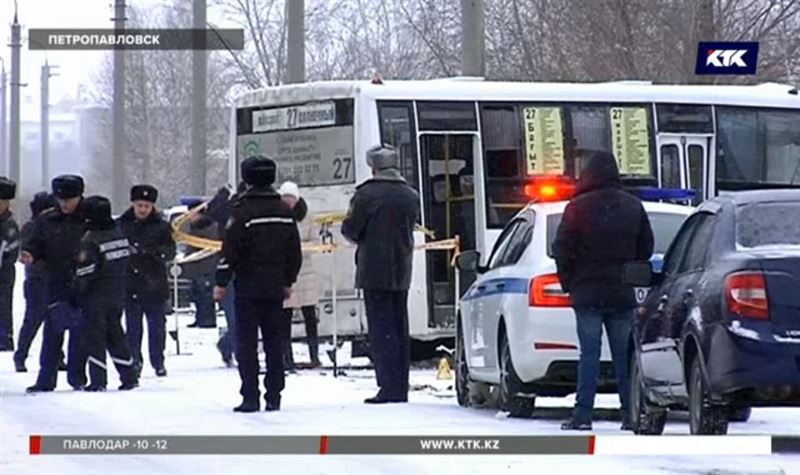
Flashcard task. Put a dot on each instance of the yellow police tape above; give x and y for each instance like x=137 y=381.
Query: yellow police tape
x=213 y=245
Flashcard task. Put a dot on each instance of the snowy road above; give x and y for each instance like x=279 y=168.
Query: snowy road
x=197 y=397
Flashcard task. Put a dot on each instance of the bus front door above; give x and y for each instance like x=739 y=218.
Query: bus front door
x=448 y=196
x=684 y=162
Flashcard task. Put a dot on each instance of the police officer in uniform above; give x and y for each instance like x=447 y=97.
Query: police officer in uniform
x=261 y=249
x=55 y=237
x=35 y=288
x=99 y=290
x=148 y=290
x=9 y=248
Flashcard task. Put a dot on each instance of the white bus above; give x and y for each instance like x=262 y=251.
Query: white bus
x=470 y=146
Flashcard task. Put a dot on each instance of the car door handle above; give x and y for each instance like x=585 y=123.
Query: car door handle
x=501 y=285
x=480 y=288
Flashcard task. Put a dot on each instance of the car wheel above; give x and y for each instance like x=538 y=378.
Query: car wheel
x=704 y=418
x=739 y=414
x=645 y=419
x=510 y=385
x=462 y=370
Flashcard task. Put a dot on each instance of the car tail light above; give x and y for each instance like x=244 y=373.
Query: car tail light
x=545 y=291
x=746 y=295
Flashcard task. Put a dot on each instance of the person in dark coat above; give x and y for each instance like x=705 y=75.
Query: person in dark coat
x=261 y=252
x=55 y=238
x=381 y=222
x=9 y=250
x=98 y=288
x=201 y=272
x=603 y=229
x=148 y=289
x=220 y=210
x=35 y=287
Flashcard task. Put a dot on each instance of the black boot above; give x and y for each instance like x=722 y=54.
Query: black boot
x=129 y=385
x=19 y=365
x=95 y=388
x=273 y=404
x=161 y=372
x=38 y=389
x=247 y=406
x=575 y=424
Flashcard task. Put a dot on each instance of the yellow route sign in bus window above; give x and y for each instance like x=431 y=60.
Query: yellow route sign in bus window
x=544 y=142
x=630 y=140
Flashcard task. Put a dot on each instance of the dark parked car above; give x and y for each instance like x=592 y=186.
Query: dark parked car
x=719 y=331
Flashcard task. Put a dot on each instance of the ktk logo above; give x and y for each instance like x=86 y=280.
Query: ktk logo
x=726 y=58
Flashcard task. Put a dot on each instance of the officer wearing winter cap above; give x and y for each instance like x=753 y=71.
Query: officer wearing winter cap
x=9 y=248
x=35 y=285
x=54 y=241
x=261 y=251
x=99 y=290
x=147 y=289
x=381 y=219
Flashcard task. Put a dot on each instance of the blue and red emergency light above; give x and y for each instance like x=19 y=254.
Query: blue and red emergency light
x=547 y=188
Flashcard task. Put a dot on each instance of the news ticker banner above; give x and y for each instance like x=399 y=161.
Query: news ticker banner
x=413 y=445
x=136 y=39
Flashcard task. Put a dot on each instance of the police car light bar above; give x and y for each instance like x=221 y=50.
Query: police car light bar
x=550 y=188
x=651 y=193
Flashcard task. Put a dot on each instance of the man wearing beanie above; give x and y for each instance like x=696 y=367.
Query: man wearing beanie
x=9 y=248
x=98 y=287
x=147 y=292
x=381 y=222
x=35 y=287
x=54 y=241
x=261 y=251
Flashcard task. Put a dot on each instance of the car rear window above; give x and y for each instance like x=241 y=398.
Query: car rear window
x=665 y=226
x=768 y=224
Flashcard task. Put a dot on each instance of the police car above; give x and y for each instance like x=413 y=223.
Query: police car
x=515 y=328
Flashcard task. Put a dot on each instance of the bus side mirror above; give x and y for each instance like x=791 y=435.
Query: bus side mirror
x=469 y=261
x=638 y=274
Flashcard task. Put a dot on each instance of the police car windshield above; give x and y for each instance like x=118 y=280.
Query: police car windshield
x=768 y=224
x=665 y=226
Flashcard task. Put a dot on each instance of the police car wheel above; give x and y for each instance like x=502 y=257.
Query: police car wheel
x=705 y=418
x=645 y=419
x=462 y=370
x=517 y=406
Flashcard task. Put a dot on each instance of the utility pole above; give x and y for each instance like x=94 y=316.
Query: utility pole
x=473 y=14
x=296 y=47
x=118 y=183
x=3 y=134
x=45 y=122
x=13 y=141
x=199 y=100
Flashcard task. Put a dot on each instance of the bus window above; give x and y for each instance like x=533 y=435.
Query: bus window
x=503 y=162
x=447 y=116
x=590 y=129
x=670 y=166
x=683 y=118
x=757 y=146
x=397 y=129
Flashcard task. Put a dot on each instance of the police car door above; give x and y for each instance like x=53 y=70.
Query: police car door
x=483 y=302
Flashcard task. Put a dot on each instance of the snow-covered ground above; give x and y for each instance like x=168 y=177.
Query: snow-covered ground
x=197 y=396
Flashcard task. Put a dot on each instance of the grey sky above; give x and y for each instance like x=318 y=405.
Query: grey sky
x=74 y=67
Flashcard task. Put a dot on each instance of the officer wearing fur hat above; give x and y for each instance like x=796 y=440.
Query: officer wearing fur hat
x=261 y=252
x=98 y=287
x=54 y=240
x=148 y=289
x=9 y=248
x=381 y=222
x=35 y=287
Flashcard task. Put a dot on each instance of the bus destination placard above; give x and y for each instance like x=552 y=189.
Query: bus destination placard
x=320 y=114
x=630 y=139
x=544 y=143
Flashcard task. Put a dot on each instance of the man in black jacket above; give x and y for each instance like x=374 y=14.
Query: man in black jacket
x=381 y=221
x=55 y=238
x=261 y=251
x=603 y=229
x=9 y=249
x=35 y=287
x=148 y=290
x=98 y=288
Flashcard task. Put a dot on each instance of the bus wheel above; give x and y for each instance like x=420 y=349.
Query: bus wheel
x=462 y=371
x=511 y=400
